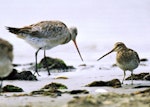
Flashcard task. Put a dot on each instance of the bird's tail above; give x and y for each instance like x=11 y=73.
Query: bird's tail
x=13 y=30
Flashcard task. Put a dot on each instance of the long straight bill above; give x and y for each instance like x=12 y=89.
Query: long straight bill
x=77 y=49
x=105 y=55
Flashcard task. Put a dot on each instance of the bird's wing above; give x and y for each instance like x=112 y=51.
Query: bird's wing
x=48 y=29
x=136 y=56
x=44 y=29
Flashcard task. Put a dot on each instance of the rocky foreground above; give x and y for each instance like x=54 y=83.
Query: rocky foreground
x=138 y=99
x=58 y=92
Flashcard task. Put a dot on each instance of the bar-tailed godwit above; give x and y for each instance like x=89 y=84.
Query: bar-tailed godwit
x=6 y=58
x=126 y=59
x=46 y=35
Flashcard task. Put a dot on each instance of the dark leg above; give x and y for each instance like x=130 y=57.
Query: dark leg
x=46 y=62
x=1 y=86
x=36 y=68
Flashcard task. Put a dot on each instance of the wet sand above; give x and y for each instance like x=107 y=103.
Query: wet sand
x=77 y=79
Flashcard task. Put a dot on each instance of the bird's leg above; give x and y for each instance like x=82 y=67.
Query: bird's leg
x=1 y=86
x=46 y=62
x=124 y=76
x=36 y=68
x=132 y=77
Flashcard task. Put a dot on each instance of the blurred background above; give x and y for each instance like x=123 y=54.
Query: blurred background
x=100 y=23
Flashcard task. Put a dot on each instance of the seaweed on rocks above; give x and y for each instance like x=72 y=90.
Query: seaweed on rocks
x=112 y=83
x=24 y=75
x=54 y=63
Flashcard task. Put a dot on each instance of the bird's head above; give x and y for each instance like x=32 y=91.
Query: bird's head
x=74 y=32
x=117 y=47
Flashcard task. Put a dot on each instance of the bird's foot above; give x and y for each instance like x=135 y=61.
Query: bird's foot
x=49 y=73
x=37 y=73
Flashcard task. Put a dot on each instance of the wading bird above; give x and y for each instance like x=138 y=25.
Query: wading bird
x=46 y=35
x=126 y=59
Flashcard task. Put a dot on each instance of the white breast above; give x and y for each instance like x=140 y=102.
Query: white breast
x=39 y=42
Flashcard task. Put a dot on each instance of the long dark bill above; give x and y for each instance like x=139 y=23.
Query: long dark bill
x=106 y=54
x=77 y=49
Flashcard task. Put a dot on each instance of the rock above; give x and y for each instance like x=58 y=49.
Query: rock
x=11 y=88
x=113 y=83
x=78 y=92
x=51 y=89
x=142 y=86
x=143 y=59
x=137 y=76
x=97 y=83
x=54 y=63
x=147 y=77
x=49 y=92
x=24 y=75
x=55 y=86
x=12 y=75
x=61 y=77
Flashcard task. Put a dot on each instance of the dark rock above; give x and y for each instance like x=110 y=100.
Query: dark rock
x=78 y=92
x=142 y=86
x=55 y=86
x=12 y=75
x=137 y=76
x=97 y=83
x=147 y=77
x=143 y=59
x=54 y=63
x=24 y=75
x=112 y=83
x=11 y=88
x=50 y=90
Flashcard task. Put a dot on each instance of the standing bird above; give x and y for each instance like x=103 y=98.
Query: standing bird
x=6 y=58
x=46 y=35
x=126 y=59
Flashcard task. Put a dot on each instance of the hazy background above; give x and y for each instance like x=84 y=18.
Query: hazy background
x=100 y=24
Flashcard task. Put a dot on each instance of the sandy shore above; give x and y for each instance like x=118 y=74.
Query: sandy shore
x=77 y=80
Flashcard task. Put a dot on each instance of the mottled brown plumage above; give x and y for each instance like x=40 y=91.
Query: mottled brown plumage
x=6 y=58
x=46 y=35
x=126 y=59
